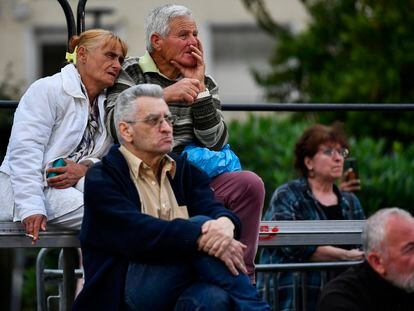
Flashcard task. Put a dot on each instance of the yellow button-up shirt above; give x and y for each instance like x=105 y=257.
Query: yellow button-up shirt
x=157 y=198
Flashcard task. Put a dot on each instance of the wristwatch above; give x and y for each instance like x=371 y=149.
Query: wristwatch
x=203 y=94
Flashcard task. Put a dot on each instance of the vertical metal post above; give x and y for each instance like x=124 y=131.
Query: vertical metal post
x=275 y=294
x=304 y=281
x=70 y=20
x=81 y=16
x=40 y=279
x=17 y=279
x=69 y=256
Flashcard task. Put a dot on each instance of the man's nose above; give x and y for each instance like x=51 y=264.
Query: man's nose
x=165 y=126
x=192 y=40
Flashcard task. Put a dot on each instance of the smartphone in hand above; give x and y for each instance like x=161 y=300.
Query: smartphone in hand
x=57 y=163
x=351 y=169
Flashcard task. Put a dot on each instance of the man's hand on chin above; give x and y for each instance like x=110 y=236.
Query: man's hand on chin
x=198 y=70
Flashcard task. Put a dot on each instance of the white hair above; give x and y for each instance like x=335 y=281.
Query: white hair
x=158 y=21
x=125 y=106
x=375 y=228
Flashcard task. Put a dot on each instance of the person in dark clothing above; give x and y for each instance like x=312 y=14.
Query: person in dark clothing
x=153 y=236
x=175 y=60
x=385 y=281
x=319 y=157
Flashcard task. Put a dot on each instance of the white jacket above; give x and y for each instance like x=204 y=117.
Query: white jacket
x=49 y=123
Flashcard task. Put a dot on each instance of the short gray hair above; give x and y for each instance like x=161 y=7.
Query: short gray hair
x=158 y=21
x=375 y=228
x=125 y=105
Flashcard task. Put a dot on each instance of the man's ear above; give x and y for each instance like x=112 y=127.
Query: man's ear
x=376 y=262
x=156 y=41
x=125 y=131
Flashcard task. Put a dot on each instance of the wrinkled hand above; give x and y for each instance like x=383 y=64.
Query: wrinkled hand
x=184 y=90
x=216 y=235
x=68 y=176
x=197 y=71
x=233 y=257
x=33 y=224
x=353 y=254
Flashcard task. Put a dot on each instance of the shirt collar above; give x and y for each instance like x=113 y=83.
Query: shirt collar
x=136 y=164
x=147 y=64
x=304 y=185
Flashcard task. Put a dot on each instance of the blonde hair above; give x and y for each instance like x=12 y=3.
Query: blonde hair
x=93 y=37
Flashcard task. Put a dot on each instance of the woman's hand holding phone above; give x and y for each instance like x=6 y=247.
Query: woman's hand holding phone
x=350 y=181
x=67 y=175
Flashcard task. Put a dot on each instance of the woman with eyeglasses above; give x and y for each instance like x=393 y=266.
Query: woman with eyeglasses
x=319 y=159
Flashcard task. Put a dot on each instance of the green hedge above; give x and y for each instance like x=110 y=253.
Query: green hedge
x=265 y=146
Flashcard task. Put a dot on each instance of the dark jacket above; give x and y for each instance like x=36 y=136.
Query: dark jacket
x=360 y=288
x=115 y=232
x=295 y=201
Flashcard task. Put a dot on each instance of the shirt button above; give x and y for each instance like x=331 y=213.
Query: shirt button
x=153 y=183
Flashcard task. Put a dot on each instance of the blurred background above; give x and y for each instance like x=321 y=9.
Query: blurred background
x=33 y=35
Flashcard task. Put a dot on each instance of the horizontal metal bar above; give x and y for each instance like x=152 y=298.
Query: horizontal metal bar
x=52 y=274
x=45 y=241
x=272 y=233
x=290 y=107
x=10 y=228
x=8 y=104
x=306 y=239
x=310 y=232
x=311 y=226
x=306 y=266
x=317 y=107
x=12 y=235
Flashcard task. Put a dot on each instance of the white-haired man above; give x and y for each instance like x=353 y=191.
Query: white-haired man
x=175 y=61
x=385 y=281
x=153 y=236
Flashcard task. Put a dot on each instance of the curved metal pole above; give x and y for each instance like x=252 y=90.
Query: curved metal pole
x=81 y=16
x=70 y=20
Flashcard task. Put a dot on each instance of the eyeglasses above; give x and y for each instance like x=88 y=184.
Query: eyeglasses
x=343 y=152
x=154 y=121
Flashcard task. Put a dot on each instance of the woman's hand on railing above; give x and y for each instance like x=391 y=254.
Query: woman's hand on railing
x=33 y=224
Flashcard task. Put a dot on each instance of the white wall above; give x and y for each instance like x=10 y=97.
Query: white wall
x=20 y=21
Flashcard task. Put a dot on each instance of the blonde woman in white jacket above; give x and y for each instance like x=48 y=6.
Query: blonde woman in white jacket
x=60 y=122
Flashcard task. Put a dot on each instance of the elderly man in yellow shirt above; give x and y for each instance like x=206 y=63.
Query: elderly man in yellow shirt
x=153 y=236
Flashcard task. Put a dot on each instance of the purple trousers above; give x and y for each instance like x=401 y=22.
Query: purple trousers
x=243 y=193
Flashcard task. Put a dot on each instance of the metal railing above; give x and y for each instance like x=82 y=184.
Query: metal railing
x=12 y=235
x=332 y=233
x=310 y=232
x=10 y=104
x=272 y=234
x=303 y=233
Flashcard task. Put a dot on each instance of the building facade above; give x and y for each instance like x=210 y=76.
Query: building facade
x=33 y=35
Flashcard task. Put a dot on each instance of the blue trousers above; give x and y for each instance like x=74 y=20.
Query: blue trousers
x=203 y=283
